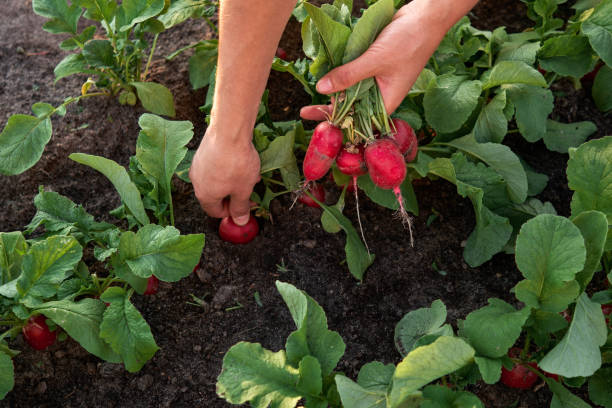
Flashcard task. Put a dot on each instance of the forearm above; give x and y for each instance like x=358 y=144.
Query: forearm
x=248 y=37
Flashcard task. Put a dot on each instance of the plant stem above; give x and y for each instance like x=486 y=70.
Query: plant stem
x=212 y=25
x=146 y=72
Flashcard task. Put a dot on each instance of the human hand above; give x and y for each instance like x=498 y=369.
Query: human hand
x=225 y=167
x=397 y=56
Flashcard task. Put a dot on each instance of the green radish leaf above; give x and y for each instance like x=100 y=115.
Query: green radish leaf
x=550 y=252
x=278 y=154
x=567 y=55
x=589 y=173
x=70 y=65
x=329 y=224
x=559 y=137
x=356 y=396
x=423 y=81
x=99 y=54
x=369 y=25
x=120 y=179
x=160 y=148
x=123 y=271
x=298 y=72
x=490 y=368
x=501 y=159
x=63 y=18
x=159 y=251
x=598 y=28
x=386 y=198
x=202 y=64
x=13 y=248
x=449 y=101
x=59 y=214
x=533 y=105
x=252 y=373
x=562 y=397
x=502 y=324
x=427 y=363
x=182 y=171
x=46 y=264
x=600 y=385
x=312 y=336
x=81 y=320
x=334 y=35
x=155 y=98
x=7 y=374
x=98 y=10
x=125 y=330
x=375 y=376
x=22 y=142
x=601 y=90
x=518 y=214
x=578 y=354
x=74 y=42
x=310 y=382
x=439 y=396
x=421 y=322
x=491 y=125
x=594 y=227
x=513 y=72
x=182 y=10
x=518 y=51
x=132 y=12
x=491 y=233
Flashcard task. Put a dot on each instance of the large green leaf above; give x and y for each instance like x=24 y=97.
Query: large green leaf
x=578 y=354
x=125 y=330
x=278 y=154
x=132 y=12
x=159 y=251
x=559 y=137
x=594 y=228
x=155 y=98
x=70 y=65
x=602 y=91
x=334 y=35
x=550 y=252
x=501 y=159
x=7 y=374
x=518 y=51
x=369 y=25
x=22 y=142
x=355 y=396
x=493 y=329
x=182 y=10
x=63 y=18
x=160 y=148
x=600 y=385
x=589 y=173
x=376 y=376
x=252 y=373
x=439 y=396
x=427 y=363
x=598 y=27
x=449 y=101
x=513 y=72
x=120 y=179
x=419 y=323
x=567 y=55
x=81 y=320
x=99 y=54
x=13 y=248
x=45 y=266
x=312 y=336
x=492 y=125
x=533 y=105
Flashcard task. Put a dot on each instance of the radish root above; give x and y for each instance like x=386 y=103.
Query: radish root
x=358 y=216
x=403 y=215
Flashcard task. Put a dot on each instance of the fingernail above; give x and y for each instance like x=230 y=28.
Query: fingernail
x=242 y=220
x=324 y=85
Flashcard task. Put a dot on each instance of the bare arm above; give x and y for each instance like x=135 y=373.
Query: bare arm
x=226 y=164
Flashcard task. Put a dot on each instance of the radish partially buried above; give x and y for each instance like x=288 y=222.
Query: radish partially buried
x=317 y=190
x=387 y=170
x=324 y=146
x=405 y=138
x=152 y=285
x=236 y=234
x=37 y=333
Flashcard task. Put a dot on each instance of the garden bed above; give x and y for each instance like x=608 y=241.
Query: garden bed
x=294 y=248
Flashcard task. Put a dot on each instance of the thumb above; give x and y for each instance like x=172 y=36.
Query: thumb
x=239 y=209
x=347 y=75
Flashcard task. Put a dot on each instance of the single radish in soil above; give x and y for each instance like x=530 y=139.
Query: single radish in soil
x=37 y=333
x=281 y=53
x=317 y=190
x=387 y=170
x=152 y=285
x=405 y=138
x=324 y=146
x=236 y=234
x=519 y=376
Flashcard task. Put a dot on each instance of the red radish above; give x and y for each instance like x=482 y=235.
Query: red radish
x=152 y=285
x=324 y=146
x=607 y=310
x=405 y=138
x=590 y=77
x=387 y=170
x=350 y=161
x=520 y=376
x=230 y=232
x=550 y=375
x=317 y=190
x=37 y=333
x=281 y=53
x=195 y=268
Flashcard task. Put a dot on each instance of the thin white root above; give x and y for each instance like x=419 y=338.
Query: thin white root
x=298 y=193
x=358 y=216
x=403 y=215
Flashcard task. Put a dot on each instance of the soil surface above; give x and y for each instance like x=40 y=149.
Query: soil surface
x=293 y=249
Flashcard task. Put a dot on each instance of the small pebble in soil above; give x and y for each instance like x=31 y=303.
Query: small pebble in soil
x=41 y=388
x=224 y=295
x=60 y=354
x=144 y=382
x=197 y=348
x=109 y=370
x=309 y=243
x=204 y=276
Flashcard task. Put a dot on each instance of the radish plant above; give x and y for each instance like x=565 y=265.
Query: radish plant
x=47 y=277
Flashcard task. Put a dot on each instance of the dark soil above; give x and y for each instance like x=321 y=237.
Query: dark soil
x=294 y=249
